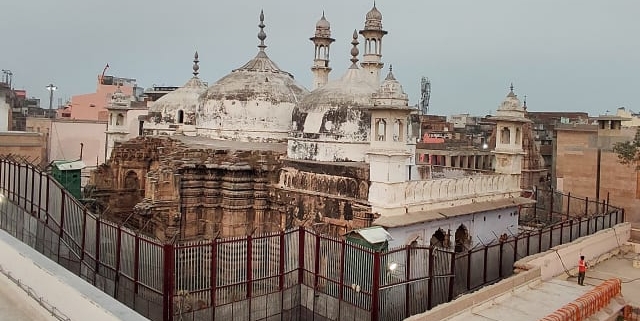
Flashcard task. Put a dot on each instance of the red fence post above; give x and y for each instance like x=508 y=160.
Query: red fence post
x=586 y=206
x=430 y=280
x=116 y=281
x=61 y=226
x=249 y=268
x=452 y=277
x=375 y=289
x=551 y=206
x=84 y=236
x=214 y=275
x=169 y=266
x=407 y=293
x=568 y=204
x=136 y=267
x=33 y=186
x=301 y=255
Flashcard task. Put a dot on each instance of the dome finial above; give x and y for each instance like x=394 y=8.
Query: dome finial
x=511 y=87
x=525 y=102
x=195 y=64
x=390 y=74
x=354 y=51
x=261 y=35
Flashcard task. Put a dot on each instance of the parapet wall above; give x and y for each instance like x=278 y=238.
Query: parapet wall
x=554 y=261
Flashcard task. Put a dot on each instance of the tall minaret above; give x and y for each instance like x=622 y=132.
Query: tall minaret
x=322 y=41
x=373 y=33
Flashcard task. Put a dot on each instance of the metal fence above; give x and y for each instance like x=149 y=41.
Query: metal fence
x=291 y=275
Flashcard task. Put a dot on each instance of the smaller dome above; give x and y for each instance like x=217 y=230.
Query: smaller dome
x=373 y=19
x=323 y=28
x=374 y=14
x=390 y=94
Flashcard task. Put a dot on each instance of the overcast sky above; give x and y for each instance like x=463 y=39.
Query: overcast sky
x=573 y=55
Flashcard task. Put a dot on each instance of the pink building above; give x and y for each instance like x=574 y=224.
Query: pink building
x=93 y=106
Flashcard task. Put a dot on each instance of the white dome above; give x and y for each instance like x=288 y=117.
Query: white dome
x=337 y=112
x=252 y=103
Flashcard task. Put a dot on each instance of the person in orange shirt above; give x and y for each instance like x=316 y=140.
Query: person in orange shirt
x=582 y=269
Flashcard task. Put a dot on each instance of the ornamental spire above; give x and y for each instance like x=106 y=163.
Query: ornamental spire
x=261 y=35
x=354 y=51
x=195 y=64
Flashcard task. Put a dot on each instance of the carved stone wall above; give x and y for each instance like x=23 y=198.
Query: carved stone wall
x=329 y=197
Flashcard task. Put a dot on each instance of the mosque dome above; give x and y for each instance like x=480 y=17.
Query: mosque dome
x=334 y=114
x=252 y=103
x=180 y=105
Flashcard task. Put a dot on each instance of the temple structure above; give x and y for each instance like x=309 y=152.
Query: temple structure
x=257 y=152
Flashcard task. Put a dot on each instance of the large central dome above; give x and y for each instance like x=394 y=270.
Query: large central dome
x=252 y=103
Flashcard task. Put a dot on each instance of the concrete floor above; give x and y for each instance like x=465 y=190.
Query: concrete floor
x=16 y=305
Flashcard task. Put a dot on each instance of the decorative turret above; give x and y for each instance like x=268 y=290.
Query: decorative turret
x=389 y=153
x=510 y=119
x=322 y=41
x=373 y=33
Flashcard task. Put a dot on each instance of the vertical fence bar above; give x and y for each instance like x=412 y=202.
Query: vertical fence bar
x=568 y=204
x=167 y=293
x=316 y=268
x=46 y=209
x=97 y=267
x=214 y=275
x=249 y=269
x=136 y=267
x=528 y=243
x=84 y=232
x=515 y=249
x=343 y=247
x=535 y=205
x=33 y=186
x=571 y=230
x=452 y=277
x=550 y=237
x=17 y=186
x=579 y=227
x=607 y=209
x=561 y=230
x=40 y=196
x=469 y=270
x=623 y=214
x=484 y=265
x=551 y=206
x=301 y=255
x=281 y=272
x=586 y=207
x=500 y=259
x=116 y=281
x=61 y=226
x=539 y=240
x=407 y=293
x=375 y=288
x=430 y=280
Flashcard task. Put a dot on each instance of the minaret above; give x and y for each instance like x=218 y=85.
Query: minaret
x=322 y=41
x=373 y=33
x=510 y=119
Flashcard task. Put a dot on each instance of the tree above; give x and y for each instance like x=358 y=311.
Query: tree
x=629 y=151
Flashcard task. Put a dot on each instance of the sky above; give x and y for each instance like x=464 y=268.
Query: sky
x=564 y=55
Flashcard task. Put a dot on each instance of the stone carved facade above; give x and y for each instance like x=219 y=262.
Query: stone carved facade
x=186 y=191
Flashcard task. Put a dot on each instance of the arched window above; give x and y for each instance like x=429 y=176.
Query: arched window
x=131 y=181
x=120 y=120
x=518 y=136
x=439 y=239
x=463 y=241
x=505 y=136
x=397 y=130
x=381 y=129
x=180 y=116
